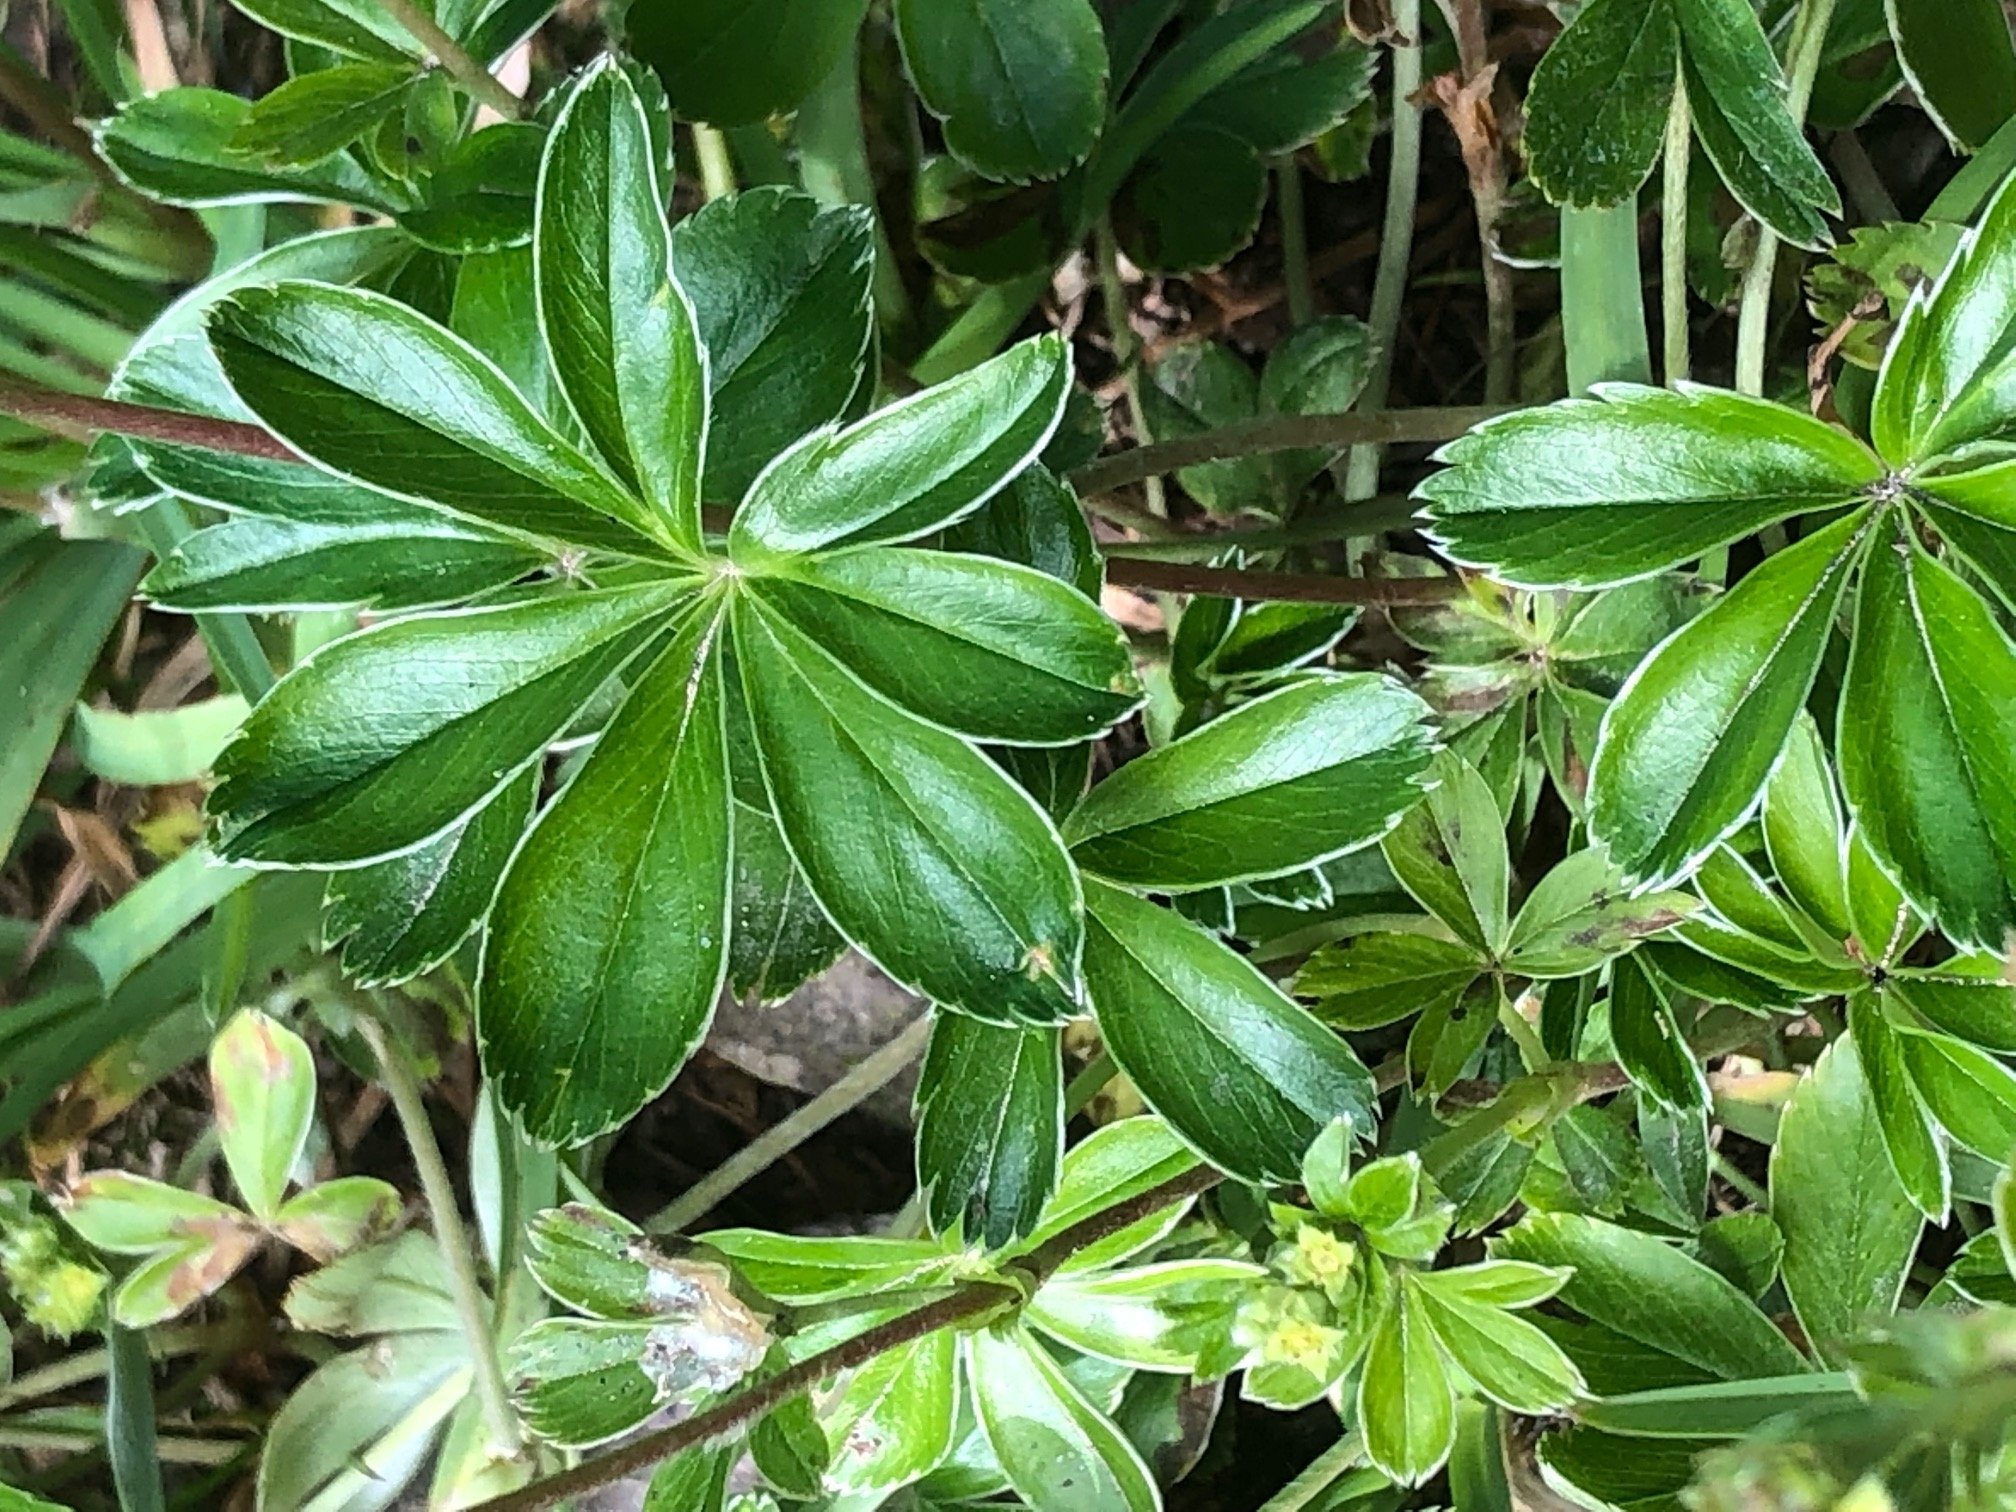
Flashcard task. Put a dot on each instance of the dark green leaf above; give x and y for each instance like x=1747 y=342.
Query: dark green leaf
x=1201 y=386
x=481 y=197
x=1693 y=737
x=1599 y=1158
x=437 y=714
x=1972 y=1094
x=358 y=28
x=1367 y=980
x=1968 y=997
x=1192 y=202
x=913 y=467
x=608 y=944
x=731 y=62
x=620 y=332
x=1020 y=85
x=1317 y=768
x=1449 y=852
x=1928 y=737
x=309 y=118
x=1239 y=1070
x=1596 y=110
x=916 y=846
x=1589 y=492
x=1035 y=520
x=1650 y=1045
x=1286 y=100
x=780 y=287
x=990 y=1127
x=1959 y=61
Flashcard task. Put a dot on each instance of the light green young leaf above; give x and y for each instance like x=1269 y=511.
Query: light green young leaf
x=172 y=1281
x=893 y=1420
x=1850 y=1229
x=1365 y=981
x=911 y=468
x=1495 y=1283
x=988 y=649
x=338 y=1216
x=693 y=1481
x=440 y=713
x=608 y=942
x=1113 y=1163
x=310 y=117
x=155 y=747
x=1239 y=1070
x=1020 y=85
x=133 y=1215
x=1406 y=1402
x=1738 y=96
x=1512 y=1362
x=1590 y=492
x=1958 y=60
x=1596 y=109
x=1689 y=743
x=990 y=1127
x=1309 y=772
x=780 y=286
x=262 y=1082
x=376 y=391
x=1160 y=1317
x=400 y=918
x=1645 y=1289
x=803 y=1271
x=1449 y=852
x=620 y=332
x=398 y=1287
x=1059 y=1451
x=354 y=28
x=1928 y=742
x=916 y=846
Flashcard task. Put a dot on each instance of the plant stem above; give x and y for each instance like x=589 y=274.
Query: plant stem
x=1280 y=587
x=1318 y=527
x=1602 y=300
x=1126 y=352
x=129 y=1421
x=235 y=653
x=75 y=414
x=968 y=1303
x=1753 y=317
x=1396 y=242
x=1322 y=1473
x=450 y=1234
x=1294 y=242
x=1743 y=1184
x=833 y=166
x=1865 y=186
x=475 y=79
x=1673 y=236
x=862 y=1082
x=1088 y=1084
x=717 y=168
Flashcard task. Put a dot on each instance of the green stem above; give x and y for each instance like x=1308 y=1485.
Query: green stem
x=1531 y=1051
x=1735 y=1178
x=1087 y=1084
x=451 y=1235
x=1968 y=190
x=717 y=168
x=1396 y=239
x=476 y=80
x=130 y=1439
x=846 y=1094
x=1279 y=587
x=1753 y=316
x=1673 y=236
x=1602 y=300
x=759 y=157
x=1126 y=353
x=1323 y=1472
x=235 y=652
x=833 y=166
x=1866 y=189
x=1294 y=242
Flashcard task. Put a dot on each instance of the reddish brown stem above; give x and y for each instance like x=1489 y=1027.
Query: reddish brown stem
x=1292 y=587
x=80 y=415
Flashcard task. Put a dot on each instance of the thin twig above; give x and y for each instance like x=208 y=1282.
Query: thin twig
x=969 y=1302
x=1272 y=433
x=1278 y=587
x=452 y=1236
x=477 y=80
x=1674 y=349
x=78 y=415
x=756 y=1157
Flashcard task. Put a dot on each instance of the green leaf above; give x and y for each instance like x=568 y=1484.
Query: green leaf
x=400 y=918
x=1406 y=1401
x=1449 y=852
x=155 y=747
x=1512 y=1362
x=1850 y=1229
x=780 y=286
x=1927 y=738
x=311 y=117
x=802 y=1270
x=1972 y=512
x=1365 y=981
x=1201 y=386
x=990 y=1127
x=1599 y=1158
x=621 y=334
x=134 y=1215
x=1161 y=1317
x=1958 y=60
x=1058 y=1450
x=356 y=28
x=1596 y=110
x=481 y=197
x=987 y=649
x=1114 y=1162
x=1650 y=1292
x=1020 y=85
x=1717 y=1409
x=441 y=712
x=397 y=1287
x=1285 y=100
x=1972 y=1094
x=1692 y=739
x=1968 y=997
x=608 y=942
x=1581 y=914
x=181 y=146
x=1804 y=833
x=1320 y=368
x=338 y=1216
x=731 y=62
x=262 y=1083
x=62 y=600
x=1193 y=201
x=174 y=1280
x=1313 y=770
x=910 y=468
x=1589 y=492
x=1035 y=521
x=1241 y=1071
x=1942 y=385
x=373 y=390
x=916 y=846
x=1746 y=1248
x=695 y=1480
x=893 y=1420
x=1738 y=96
x=1494 y=1283
x=1650 y=1045
x=578 y=1383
